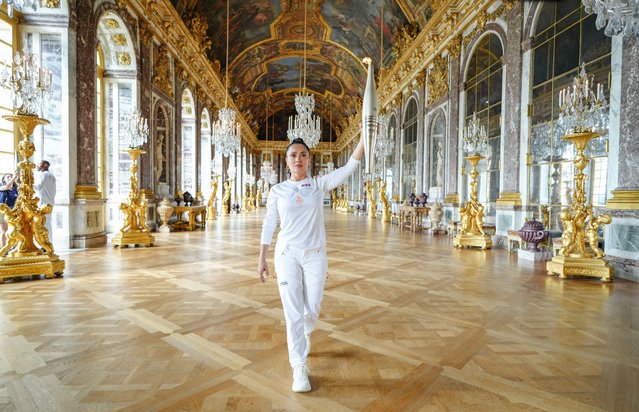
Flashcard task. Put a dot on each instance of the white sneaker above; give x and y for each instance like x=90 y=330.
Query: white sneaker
x=308 y=345
x=300 y=379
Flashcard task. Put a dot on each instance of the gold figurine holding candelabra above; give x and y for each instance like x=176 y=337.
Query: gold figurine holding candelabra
x=472 y=233
x=134 y=230
x=211 y=210
x=21 y=256
x=381 y=189
x=370 y=197
x=583 y=116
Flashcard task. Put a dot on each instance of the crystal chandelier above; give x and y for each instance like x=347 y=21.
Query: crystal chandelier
x=582 y=106
x=618 y=16
x=226 y=131
x=304 y=125
x=19 y=4
x=385 y=141
x=137 y=128
x=29 y=83
x=475 y=139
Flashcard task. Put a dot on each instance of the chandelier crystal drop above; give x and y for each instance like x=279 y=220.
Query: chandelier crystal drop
x=582 y=107
x=137 y=128
x=475 y=138
x=619 y=17
x=30 y=84
x=19 y=5
x=304 y=125
x=226 y=132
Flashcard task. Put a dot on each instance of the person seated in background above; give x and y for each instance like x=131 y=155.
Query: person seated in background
x=8 y=196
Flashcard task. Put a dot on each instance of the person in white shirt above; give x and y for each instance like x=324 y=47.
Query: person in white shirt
x=300 y=253
x=45 y=190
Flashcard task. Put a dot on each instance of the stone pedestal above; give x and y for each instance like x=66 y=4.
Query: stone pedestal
x=539 y=256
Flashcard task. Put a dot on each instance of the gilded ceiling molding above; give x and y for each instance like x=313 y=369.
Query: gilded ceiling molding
x=183 y=47
x=442 y=32
x=198 y=26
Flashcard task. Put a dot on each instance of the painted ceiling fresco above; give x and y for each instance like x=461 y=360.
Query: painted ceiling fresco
x=266 y=48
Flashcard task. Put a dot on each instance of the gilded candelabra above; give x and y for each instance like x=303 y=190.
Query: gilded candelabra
x=211 y=210
x=580 y=224
x=134 y=230
x=472 y=214
x=21 y=256
x=583 y=115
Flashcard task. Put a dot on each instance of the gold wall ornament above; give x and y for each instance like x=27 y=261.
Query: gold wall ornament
x=119 y=39
x=437 y=79
x=580 y=223
x=454 y=47
x=134 y=230
x=472 y=232
x=112 y=23
x=124 y=58
x=162 y=78
x=21 y=256
x=51 y=4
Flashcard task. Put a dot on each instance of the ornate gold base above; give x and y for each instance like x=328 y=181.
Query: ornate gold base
x=47 y=265
x=211 y=213
x=133 y=238
x=570 y=266
x=482 y=241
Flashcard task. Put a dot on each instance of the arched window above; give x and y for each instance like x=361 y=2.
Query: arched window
x=8 y=139
x=564 y=37
x=389 y=173
x=483 y=88
x=409 y=148
x=188 y=143
x=207 y=156
x=119 y=97
x=437 y=155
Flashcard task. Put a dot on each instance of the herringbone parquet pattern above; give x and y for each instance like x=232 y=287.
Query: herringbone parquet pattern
x=408 y=323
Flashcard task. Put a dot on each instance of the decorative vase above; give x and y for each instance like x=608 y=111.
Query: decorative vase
x=165 y=210
x=533 y=233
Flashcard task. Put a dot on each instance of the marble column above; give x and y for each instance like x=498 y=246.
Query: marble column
x=453 y=130
x=511 y=113
x=145 y=65
x=177 y=138
x=621 y=236
x=87 y=213
x=85 y=83
x=197 y=152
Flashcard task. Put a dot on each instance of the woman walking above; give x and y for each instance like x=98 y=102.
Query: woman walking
x=300 y=253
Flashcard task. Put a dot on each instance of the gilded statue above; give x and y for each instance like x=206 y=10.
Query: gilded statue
x=592 y=233
x=334 y=198
x=372 y=208
x=383 y=199
x=40 y=231
x=214 y=185
x=13 y=217
x=226 y=197
x=472 y=218
x=258 y=198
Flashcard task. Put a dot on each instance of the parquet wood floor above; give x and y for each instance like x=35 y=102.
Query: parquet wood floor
x=408 y=323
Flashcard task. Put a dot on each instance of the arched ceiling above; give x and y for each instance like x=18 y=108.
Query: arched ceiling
x=266 y=49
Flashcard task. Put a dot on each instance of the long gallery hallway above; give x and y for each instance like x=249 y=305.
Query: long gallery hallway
x=408 y=323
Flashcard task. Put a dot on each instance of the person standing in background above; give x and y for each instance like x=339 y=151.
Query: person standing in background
x=45 y=190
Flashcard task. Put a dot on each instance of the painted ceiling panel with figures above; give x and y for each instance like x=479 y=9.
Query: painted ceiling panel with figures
x=267 y=48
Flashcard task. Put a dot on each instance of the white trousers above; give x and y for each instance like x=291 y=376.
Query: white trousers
x=301 y=274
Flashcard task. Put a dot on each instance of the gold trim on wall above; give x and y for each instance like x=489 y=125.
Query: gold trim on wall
x=624 y=199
